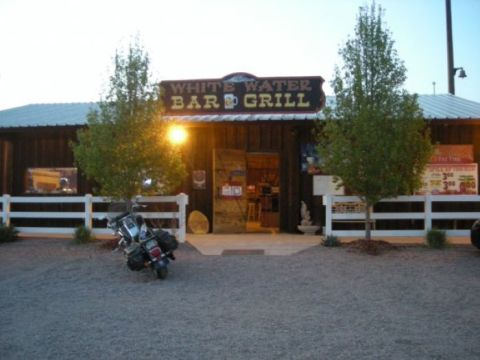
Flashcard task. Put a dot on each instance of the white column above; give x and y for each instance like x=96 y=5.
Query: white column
x=88 y=211
x=182 y=202
x=6 y=209
x=327 y=201
x=428 y=213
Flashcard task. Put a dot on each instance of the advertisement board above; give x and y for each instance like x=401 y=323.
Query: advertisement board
x=452 y=154
x=324 y=185
x=450 y=179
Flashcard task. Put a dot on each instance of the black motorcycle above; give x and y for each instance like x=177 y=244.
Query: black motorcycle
x=475 y=234
x=142 y=246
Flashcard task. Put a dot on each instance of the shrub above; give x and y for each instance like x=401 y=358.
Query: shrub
x=82 y=235
x=331 y=241
x=436 y=239
x=8 y=233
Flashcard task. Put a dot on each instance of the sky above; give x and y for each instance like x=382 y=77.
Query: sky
x=55 y=51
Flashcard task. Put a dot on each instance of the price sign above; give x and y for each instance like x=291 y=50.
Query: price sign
x=442 y=179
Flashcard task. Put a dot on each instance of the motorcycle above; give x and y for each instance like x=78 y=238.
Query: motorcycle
x=475 y=234
x=142 y=246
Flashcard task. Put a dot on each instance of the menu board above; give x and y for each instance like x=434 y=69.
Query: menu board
x=456 y=179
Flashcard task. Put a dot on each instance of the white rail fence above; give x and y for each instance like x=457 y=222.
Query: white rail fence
x=348 y=209
x=88 y=214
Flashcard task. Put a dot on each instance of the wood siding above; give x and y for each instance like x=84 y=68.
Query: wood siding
x=282 y=138
x=49 y=147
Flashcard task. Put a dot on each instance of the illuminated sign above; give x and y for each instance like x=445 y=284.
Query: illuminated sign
x=243 y=93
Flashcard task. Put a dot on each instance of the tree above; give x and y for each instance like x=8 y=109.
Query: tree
x=374 y=140
x=126 y=139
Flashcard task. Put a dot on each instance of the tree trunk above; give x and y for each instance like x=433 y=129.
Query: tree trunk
x=367 y=222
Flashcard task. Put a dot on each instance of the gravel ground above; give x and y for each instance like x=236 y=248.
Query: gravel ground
x=62 y=301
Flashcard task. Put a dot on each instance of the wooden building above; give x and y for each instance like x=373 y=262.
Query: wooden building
x=247 y=170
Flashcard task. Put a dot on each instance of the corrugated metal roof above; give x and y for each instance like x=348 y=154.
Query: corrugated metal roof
x=66 y=114
x=246 y=117
x=448 y=107
x=435 y=107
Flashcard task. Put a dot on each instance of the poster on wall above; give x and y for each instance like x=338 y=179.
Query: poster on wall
x=199 y=179
x=324 y=185
x=450 y=179
x=310 y=161
x=231 y=190
x=452 y=154
x=51 y=181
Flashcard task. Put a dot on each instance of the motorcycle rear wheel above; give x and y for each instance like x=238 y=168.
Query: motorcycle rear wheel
x=161 y=273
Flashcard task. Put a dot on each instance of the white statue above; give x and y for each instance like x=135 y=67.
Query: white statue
x=305 y=214
x=306 y=224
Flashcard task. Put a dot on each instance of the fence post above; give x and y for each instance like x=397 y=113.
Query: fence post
x=88 y=211
x=182 y=202
x=6 y=209
x=428 y=213
x=327 y=201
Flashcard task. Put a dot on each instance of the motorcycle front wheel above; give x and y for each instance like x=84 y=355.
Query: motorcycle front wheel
x=161 y=272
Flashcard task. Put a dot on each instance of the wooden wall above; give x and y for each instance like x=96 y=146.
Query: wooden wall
x=37 y=147
x=49 y=147
x=282 y=138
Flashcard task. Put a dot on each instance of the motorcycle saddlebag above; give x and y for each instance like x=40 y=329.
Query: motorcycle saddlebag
x=166 y=241
x=135 y=258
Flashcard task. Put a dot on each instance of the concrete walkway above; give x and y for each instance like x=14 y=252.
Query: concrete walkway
x=280 y=244
x=271 y=244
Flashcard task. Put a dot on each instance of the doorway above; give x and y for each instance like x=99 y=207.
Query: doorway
x=246 y=191
x=263 y=192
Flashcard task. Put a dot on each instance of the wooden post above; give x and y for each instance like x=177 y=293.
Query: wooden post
x=88 y=211
x=182 y=202
x=327 y=201
x=428 y=213
x=6 y=209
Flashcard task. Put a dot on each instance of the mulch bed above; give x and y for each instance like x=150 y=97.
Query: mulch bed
x=371 y=247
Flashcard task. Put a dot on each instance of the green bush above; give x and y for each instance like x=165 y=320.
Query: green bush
x=82 y=235
x=331 y=241
x=8 y=233
x=436 y=239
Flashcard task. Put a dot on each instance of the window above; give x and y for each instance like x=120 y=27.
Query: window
x=51 y=181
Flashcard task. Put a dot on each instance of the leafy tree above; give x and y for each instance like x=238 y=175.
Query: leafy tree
x=126 y=139
x=374 y=140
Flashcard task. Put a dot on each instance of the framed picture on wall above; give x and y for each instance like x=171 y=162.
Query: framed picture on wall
x=310 y=160
x=51 y=181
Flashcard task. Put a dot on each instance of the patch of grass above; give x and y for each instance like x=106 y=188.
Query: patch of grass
x=8 y=233
x=82 y=235
x=331 y=241
x=436 y=239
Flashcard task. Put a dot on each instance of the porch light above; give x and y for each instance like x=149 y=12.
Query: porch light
x=177 y=135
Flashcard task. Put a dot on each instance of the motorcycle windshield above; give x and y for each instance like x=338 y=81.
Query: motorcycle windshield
x=118 y=209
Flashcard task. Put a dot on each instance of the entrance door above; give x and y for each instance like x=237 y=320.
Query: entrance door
x=263 y=192
x=229 y=182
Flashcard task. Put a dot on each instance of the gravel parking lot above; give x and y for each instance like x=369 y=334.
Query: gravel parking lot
x=62 y=301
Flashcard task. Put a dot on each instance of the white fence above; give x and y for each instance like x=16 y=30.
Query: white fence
x=88 y=214
x=338 y=214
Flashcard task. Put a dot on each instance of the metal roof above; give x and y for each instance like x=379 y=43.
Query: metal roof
x=448 y=106
x=435 y=107
x=66 y=114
